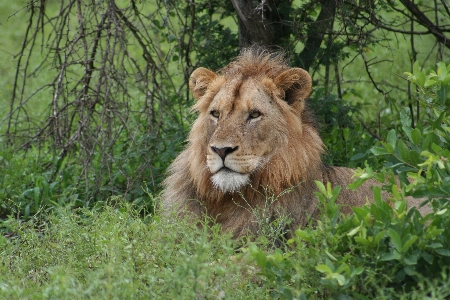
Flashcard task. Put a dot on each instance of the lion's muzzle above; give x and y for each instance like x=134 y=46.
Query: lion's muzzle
x=223 y=152
x=231 y=168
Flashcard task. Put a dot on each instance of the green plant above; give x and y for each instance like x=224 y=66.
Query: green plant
x=379 y=251
x=420 y=154
x=382 y=250
x=272 y=222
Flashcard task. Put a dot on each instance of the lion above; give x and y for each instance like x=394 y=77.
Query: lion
x=254 y=133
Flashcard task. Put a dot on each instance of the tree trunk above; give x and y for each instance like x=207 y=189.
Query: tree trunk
x=316 y=32
x=261 y=22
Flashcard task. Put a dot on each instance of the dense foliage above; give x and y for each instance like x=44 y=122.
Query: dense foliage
x=383 y=250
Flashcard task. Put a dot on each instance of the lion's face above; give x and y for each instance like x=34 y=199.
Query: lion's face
x=244 y=128
x=245 y=120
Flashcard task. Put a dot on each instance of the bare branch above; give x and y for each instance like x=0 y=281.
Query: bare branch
x=427 y=23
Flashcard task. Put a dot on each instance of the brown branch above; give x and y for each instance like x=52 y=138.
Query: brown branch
x=367 y=66
x=16 y=76
x=444 y=3
x=427 y=23
x=373 y=134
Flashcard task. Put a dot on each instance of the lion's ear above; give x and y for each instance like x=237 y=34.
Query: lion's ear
x=296 y=85
x=199 y=81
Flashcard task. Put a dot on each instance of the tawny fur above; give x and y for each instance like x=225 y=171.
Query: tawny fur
x=294 y=160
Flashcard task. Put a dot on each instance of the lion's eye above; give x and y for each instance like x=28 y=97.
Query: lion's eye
x=254 y=114
x=215 y=113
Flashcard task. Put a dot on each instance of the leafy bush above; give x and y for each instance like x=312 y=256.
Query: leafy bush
x=381 y=250
x=423 y=154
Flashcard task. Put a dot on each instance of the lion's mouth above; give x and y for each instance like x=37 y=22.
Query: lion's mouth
x=228 y=170
x=228 y=180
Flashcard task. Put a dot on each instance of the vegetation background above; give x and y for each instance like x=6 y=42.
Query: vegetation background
x=95 y=106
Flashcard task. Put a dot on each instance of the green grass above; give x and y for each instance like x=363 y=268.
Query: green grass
x=120 y=253
x=117 y=254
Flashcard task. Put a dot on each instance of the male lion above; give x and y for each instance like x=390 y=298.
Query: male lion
x=254 y=133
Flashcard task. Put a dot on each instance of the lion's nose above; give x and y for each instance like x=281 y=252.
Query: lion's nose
x=223 y=152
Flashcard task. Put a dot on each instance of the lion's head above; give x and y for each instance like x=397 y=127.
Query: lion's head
x=253 y=126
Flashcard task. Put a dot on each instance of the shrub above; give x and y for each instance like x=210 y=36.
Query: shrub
x=381 y=251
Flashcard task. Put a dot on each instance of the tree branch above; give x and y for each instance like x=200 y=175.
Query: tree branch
x=423 y=20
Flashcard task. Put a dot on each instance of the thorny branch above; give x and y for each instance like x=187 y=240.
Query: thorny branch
x=109 y=82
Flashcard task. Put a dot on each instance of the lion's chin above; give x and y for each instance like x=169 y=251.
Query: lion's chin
x=229 y=181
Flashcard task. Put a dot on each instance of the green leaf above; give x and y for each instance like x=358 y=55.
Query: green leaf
x=258 y=255
x=416 y=135
x=446 y=80
x=405 y=117
x=437 y=123
x=441 y=212
x=357 y=271
x=392 y=138
x=330 y=256
x=358 y=156
x=321 y=187
x=388 y=147
x=443 y=252
x=426 y=142
x=442 y=70
x=377 y=195
x=434 y=245
x=362 y=241
x=340 y=278
x=414 y=157
x=395 y=239
x=346 y=297
x=37 y=193
x=421 y=78
x=303 y=296
x=407 y=130
x=379 y=151
x=428 y=257
x=429 y=82
x=346 y=133
x=410 y=270
x=354 y=231
x=379 y=236
x=403 y=150
x=442 y=94
x=354 y=185
x=413 y=258
x=389 y=256
x=409 y=243
x=287 y=293
x=436 y=148
x=324 y=269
